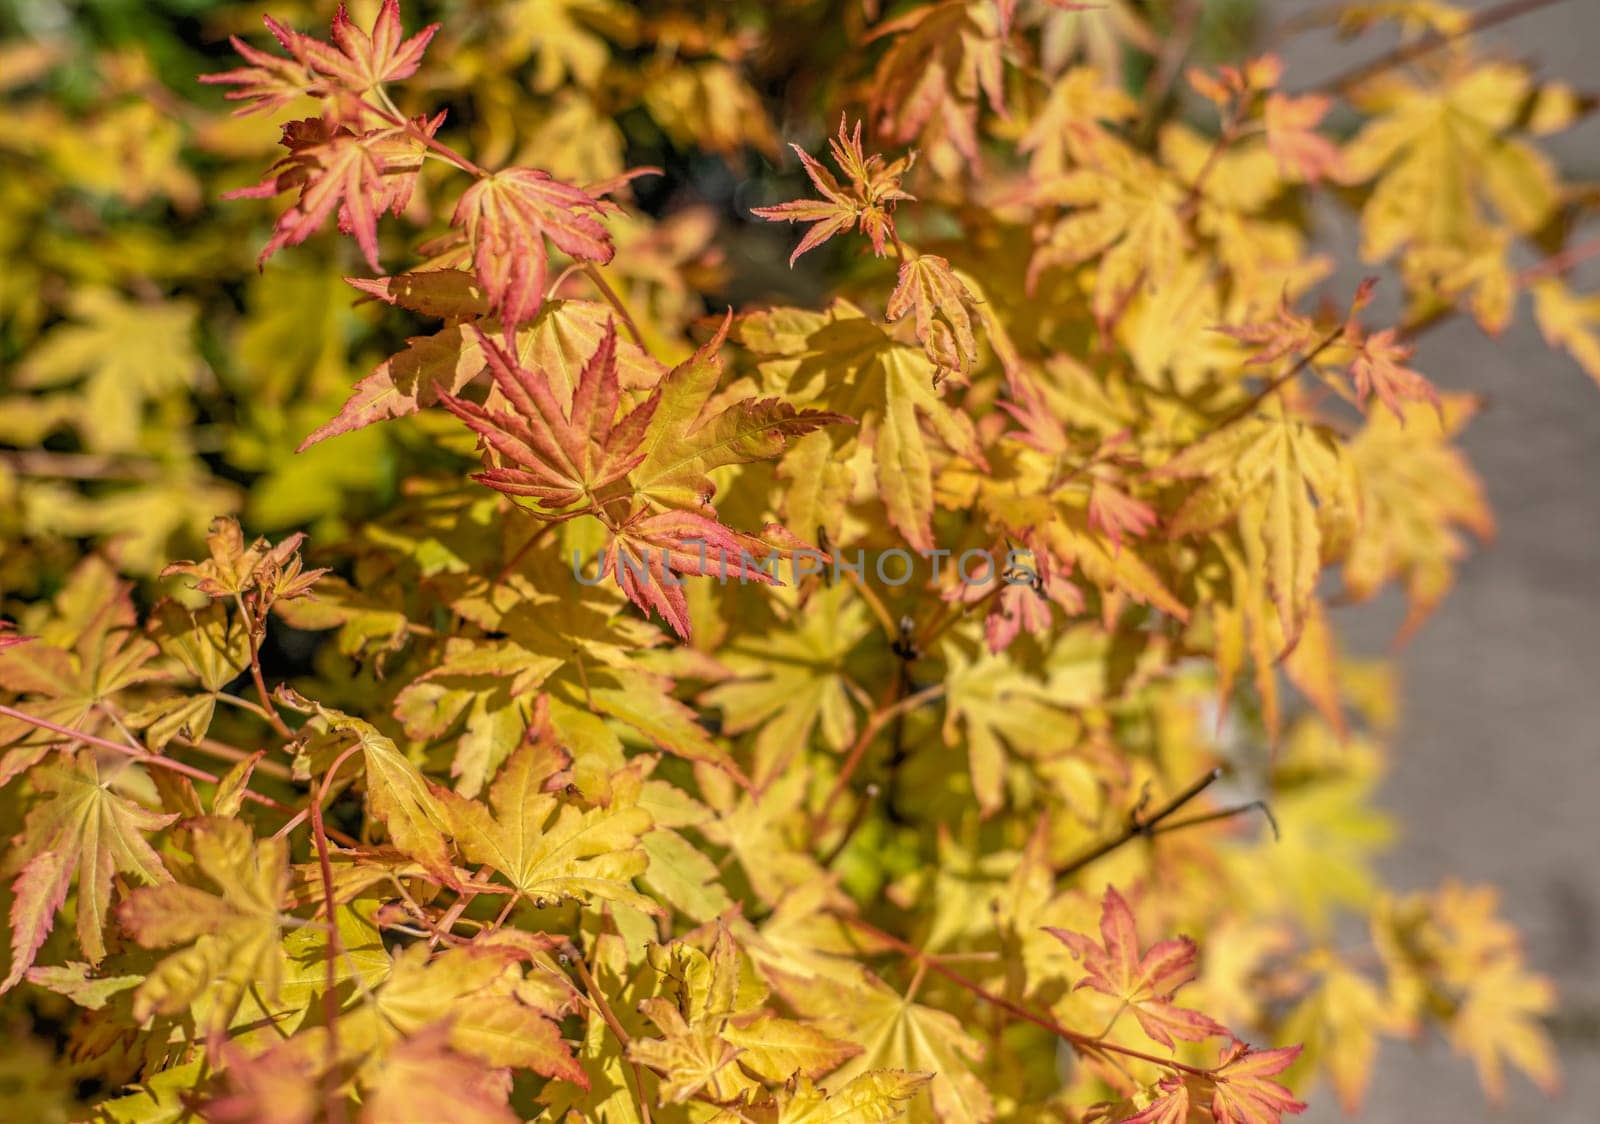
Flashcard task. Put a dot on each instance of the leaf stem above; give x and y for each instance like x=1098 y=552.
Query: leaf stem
x=592 y=272
x=1078 y=1040
x=889 y=708
x=138 y=753
x=1427 y=44
x=1138 y=825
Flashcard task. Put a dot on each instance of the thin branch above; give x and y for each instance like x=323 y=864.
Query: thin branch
x=1139 y=825
x=1410 y=52
x=1223 y=814
x=574 y=956
x=592 y=272
x=1284 y=379
x=330 y=999
x=1083 y=1042
x=255 y=629
x=139 y=754
x=888 y=709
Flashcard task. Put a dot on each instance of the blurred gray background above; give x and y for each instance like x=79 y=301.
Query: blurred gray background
x=1496 y=772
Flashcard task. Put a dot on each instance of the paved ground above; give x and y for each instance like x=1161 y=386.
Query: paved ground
x=1497 y=768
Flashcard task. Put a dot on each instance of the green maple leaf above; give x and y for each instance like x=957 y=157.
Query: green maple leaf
x=232 y=930
x=842 y=360
x=688 y=439
x=789 y=683
x=81 y=835
x=549 y=849
x=127 y=355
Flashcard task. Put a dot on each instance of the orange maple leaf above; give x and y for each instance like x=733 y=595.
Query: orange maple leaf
x=359 y=174
x=1143 y=983
x=556 y=456
x=1379 y=368
x=1293 y=140
x=354 y=63
x=649 y=555
x=1242 y=1093
x=507 y=218
x=867 y=202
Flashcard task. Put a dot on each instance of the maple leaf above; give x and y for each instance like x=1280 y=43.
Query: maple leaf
x=355 y=62
x=1291 y=124
x=558 y=342
x=1265 y=472
x=877 y=1095
x=1436 y=151
x=1338 y=1023
x=557 y=458
x=128 y=354
x=1416 y=491
x=425 y=1078
x=549 y=849
x=1378 y=368
x=82 y=834
x=911 y=1037
x=941 y=59
x=212 y=649
x=471 y=991
x=1496 y=1005
x=687 y=439
x=334 y=168
x=867 y=201
x=397 y=793
x=261 y=572
x=997 y=705
x=82 y=659
x=1241 y=1090
x=888 y=387
x=270 y=82
x=645 y=551
x=1570 y=321
x=927 y=286
x=232 y=930
x=790 y=683
x=506 y=219
x=1124 y=216
x=1170 y=1106
x=1143 y=982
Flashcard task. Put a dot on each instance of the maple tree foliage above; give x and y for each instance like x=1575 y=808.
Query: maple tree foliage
x=668 y=687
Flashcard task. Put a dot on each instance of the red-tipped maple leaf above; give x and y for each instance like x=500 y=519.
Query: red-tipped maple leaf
x=648 y=554
x=1172 y=1106
x=271 y=81
x=1293 y=140
x=554 y=456
x=1114 y=513
x=1242 y=1093
x=1144 y=983
x=867 y=201
x=354 y=63
x=507 y=217
x=1379 y=368
x=359 y=174
x=357 y=60
x=1236 y=1091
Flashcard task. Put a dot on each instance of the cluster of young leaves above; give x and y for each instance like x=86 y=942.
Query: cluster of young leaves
x=584 y=799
